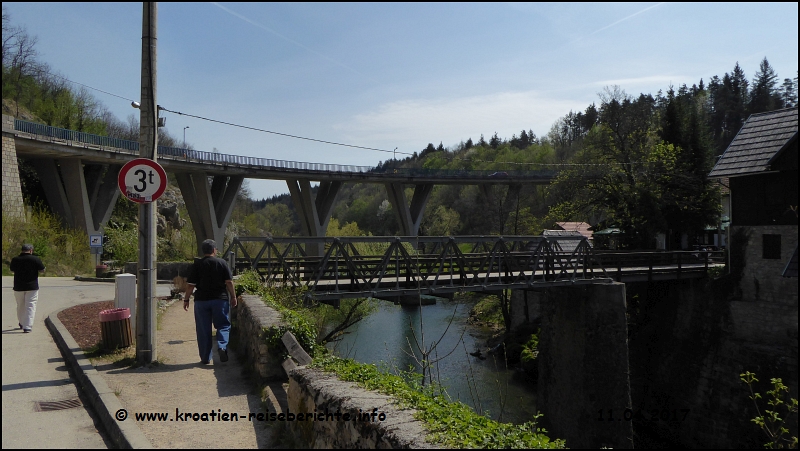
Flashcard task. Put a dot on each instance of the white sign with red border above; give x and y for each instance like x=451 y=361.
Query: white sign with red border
x=142 y=180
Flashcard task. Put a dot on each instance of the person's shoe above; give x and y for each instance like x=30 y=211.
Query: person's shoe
x=223 y=355
x=20 y=325
x=26 y=330
x=205 y=362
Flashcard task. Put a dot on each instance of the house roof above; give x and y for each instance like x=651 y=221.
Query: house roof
x=762 y=137
x=568 y=240
x=580 y=227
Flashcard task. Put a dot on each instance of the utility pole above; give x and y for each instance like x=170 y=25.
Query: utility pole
x=148 y=145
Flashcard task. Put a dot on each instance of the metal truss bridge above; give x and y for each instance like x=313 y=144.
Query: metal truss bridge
x=389 y=267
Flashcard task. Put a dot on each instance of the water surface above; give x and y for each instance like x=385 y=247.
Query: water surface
x=485 y=385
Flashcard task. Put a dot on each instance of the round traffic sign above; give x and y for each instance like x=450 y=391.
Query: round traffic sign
x=142 y=180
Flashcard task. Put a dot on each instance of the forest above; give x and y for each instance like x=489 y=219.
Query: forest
x=635 y=162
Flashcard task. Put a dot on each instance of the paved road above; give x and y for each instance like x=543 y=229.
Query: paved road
x=33 y=370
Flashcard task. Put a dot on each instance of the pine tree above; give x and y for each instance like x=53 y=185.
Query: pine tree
x=788 y=93
x=523 y=139
x=468 y=144
x=495 y=141
x=764 y=95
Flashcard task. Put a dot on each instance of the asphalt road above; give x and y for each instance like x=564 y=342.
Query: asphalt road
x=33 y=370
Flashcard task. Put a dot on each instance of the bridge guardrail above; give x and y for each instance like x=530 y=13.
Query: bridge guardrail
x=199 y=156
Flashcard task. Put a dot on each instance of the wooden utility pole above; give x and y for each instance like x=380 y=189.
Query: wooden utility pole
x=148 y=145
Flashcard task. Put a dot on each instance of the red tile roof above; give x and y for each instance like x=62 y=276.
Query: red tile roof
x=580 y=227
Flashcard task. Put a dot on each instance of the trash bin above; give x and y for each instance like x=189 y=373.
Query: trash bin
x=115 y=325
x=99 y=270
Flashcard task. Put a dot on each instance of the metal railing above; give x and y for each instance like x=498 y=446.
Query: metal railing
x=652 y=264
x=40 y=131
x=403 y=266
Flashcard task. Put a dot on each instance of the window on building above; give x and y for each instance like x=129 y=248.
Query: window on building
x=771 y=246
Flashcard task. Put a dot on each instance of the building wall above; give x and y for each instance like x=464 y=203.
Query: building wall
x=764 y=199
x=12 y=189
x=761 y=277
x=691 y=340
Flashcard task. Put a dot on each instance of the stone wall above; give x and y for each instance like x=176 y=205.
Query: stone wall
x=250 y=320
x=689 y=341
x=12 y=189
x=311 y=390
x=761 y=278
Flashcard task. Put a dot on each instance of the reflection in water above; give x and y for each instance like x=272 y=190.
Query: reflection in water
x=485 y=385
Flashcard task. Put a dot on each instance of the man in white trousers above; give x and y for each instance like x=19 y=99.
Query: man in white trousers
x=26 y=268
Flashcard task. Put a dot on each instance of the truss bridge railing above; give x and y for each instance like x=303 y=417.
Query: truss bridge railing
x=404 y=266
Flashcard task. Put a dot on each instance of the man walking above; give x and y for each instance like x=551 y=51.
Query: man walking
x=211 y=281
x=26 y=268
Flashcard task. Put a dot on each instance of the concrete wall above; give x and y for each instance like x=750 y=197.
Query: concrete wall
x=12 y=189
x=164 y=270
x=583 y=365
x=525 y=307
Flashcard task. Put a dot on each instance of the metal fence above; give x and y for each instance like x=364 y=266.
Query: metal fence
x=198 y=156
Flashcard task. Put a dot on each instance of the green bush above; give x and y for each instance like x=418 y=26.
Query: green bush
x=296 y=322
x=64 y=252
x=122 y=244
x=489 y=311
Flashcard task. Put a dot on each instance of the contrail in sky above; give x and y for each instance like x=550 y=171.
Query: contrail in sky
x=623 y=20
x=265 y=28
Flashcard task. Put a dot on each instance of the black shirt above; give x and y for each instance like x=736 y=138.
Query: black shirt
x=208 y=275
x=26 y=269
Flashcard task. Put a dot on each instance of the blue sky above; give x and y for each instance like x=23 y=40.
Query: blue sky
x=396 y=75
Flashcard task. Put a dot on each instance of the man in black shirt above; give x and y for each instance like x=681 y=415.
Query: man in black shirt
x=26 y=268
x=211 y=281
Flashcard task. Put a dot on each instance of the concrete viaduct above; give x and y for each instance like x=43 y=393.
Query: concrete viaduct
x=84 y=191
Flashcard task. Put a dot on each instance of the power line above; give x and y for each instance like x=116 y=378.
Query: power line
x=236 y=125
x=87 y=86
x=342 y=144
x=283 y=134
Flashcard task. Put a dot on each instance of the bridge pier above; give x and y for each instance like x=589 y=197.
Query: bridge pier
x=583 y=366
x=83 y=196
x=12 y=188
x=314 y=213
x=209 y=206
x=409 y=217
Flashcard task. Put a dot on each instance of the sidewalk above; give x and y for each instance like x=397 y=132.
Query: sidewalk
x=34 y=370
x=180 y=382
x=176 y=381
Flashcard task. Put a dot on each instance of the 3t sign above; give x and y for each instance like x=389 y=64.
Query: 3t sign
x=142 y=180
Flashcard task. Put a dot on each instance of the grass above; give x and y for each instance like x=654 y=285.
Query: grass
x=452 y=424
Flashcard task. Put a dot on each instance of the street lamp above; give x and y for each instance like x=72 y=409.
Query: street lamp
x=184 y=136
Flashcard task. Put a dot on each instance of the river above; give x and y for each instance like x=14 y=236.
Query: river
x=485 y=385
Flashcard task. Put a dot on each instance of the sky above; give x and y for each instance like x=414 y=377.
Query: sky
x=395 y=75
